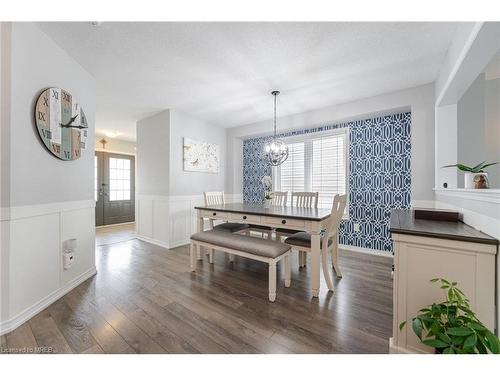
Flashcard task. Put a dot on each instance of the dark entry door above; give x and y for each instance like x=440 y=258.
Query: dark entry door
x=116 y=190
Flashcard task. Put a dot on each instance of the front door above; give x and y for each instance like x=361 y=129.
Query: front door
x=115 y=188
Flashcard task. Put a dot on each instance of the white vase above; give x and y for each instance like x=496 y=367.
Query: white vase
x=468 y=180
x=267 y=203
x=476 y=180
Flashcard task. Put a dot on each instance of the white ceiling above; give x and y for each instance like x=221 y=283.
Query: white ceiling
x=223 y=72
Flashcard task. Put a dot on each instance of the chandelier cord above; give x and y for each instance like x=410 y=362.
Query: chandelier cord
x=275 y=115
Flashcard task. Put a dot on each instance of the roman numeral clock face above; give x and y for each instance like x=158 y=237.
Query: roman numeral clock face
x=61 y=123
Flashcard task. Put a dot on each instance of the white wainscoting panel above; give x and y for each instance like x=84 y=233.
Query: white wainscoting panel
x=169 y=221
x=32 y=244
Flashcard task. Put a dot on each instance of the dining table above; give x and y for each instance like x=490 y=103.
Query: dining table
x=310 y=220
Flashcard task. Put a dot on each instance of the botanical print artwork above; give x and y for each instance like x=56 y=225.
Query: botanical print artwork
x=200 y=156
x=379 y=175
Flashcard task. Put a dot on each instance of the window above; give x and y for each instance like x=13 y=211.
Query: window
x=328 y=168
x=119 y=179
x=316 y=164
x=292 y=170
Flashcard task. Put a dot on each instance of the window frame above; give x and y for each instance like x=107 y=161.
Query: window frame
x=307 y=139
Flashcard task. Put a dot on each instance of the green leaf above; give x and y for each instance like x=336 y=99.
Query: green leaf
x=477 y=327
x=459 y=331
x=493 y=342
x=417 y=327
x=443 y=337
x=449 y=351
x=401 y=325
x=487 y=165
x=435 y=343
x=470 y=341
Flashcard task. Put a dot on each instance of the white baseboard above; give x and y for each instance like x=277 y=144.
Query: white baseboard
x=365 y=250
x=115 y=225
x=180 y=243
x=27 y=314
x=152 y=241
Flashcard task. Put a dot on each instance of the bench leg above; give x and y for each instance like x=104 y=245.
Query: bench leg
x=192 y=257
x=288 y=271
x=211 y=256
x=272 y=281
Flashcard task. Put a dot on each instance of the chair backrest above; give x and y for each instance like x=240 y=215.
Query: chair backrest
x=278 y=198
x=305 y=199
x=338 y=207
x=213 y=198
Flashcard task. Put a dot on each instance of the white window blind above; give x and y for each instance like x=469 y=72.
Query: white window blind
x=316 y=164
x=328 y=168
x=292 y=170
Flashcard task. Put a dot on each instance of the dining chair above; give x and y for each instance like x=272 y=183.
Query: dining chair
x=329 y=240
x=214 y=198
x=305 y=199
x=278 y=198
x=299 y=199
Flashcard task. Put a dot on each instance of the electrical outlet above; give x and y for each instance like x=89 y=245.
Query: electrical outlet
x=356 y=227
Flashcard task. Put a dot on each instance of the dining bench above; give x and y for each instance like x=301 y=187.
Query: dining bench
x=270 y=252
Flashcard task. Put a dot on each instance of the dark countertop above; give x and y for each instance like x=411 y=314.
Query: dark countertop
x=404 y=222
x=313 y=214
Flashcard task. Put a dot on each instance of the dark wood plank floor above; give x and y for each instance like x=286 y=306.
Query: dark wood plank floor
x=144 y=299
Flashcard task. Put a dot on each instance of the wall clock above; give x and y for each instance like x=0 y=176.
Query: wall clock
x=61 y=123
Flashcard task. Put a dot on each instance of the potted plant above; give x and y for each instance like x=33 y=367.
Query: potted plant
x=267 y=182
x=451 y=326
x=474 y=177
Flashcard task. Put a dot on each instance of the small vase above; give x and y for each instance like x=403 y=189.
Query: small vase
x=267 y=203
x=476 y=180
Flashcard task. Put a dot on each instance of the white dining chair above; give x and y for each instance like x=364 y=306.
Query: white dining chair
x=214 y=198
x=329 y=240
x=299 y=199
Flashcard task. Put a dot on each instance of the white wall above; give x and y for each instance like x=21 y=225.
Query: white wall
x=153 y=155
x=191 y=183
x=420 y=100
x=479 y=127
x=45 y=201
x=166 y=193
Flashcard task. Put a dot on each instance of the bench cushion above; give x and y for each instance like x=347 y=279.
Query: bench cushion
x=231 y=227
x=303 y=239
x=247 y=244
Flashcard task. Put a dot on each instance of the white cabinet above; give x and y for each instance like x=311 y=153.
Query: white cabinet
x=419 y=258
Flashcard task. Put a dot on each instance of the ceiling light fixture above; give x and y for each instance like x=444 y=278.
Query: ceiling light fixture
x=276 y=150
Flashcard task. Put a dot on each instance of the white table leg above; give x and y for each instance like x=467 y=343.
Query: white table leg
x=199 y=229
x=315 y=263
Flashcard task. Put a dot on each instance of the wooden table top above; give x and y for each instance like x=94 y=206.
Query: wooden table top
x=404 y=222
x=305 y=213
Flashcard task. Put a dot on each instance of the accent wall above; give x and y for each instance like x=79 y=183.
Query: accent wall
x=379 y=175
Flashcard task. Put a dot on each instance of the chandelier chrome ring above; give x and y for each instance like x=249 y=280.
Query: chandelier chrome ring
x=276 y=150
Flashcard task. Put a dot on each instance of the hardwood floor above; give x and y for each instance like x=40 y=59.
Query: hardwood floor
x=144 y=299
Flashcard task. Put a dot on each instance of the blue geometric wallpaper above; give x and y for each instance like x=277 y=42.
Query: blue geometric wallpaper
x=379 y=175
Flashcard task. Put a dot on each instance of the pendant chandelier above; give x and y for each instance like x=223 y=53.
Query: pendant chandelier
x=276 y=150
